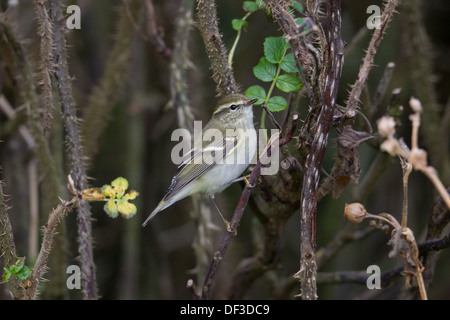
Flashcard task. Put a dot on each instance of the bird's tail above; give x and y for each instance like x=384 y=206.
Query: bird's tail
x=161 y=206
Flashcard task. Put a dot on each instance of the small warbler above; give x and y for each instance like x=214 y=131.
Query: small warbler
x=212 y=166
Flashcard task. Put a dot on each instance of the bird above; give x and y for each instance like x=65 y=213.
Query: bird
x=232 y=122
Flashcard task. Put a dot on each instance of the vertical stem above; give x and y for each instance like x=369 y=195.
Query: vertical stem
x=7 y=246
x=75 y=153
x=407 y=168
x=215 y=49
x=313 y=165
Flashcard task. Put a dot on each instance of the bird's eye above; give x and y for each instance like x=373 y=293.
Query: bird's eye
x=233 y=107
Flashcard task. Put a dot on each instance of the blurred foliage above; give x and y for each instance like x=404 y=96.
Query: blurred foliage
x=155 y=262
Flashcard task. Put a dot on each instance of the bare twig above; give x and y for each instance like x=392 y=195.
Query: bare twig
x=416 y=156
x=46 y=54
x=154 y=32
x=407 y=168
x=7 y=245
x=40 y=267
x=215 y=49
x=357 y=88
x=75 y=152
x=313 y=164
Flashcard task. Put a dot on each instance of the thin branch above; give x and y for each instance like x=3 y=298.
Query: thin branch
x=75 y=152
x=357 y=88
x=154 y=33
x=40 y=267
x=313 y=164
x=46 y=54
x=215 y=49
x=7 y=246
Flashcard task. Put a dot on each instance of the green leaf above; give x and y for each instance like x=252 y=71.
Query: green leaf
x=24 y=273
x=6 y=274
x=16 y=268
x=238 y=24
x=274 y=48
x=264 y=70
x=250 y=6
x=276 y=103
x=256 y=92
x=289 y=83
x=299 y=21
x=288 y=63
x=297 y=6
x=111 y=209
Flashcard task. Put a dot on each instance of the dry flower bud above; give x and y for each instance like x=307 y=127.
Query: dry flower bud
x=390 y=146
x=415 y=105
x=418 y=158
x=355 y=212
x=386 y=126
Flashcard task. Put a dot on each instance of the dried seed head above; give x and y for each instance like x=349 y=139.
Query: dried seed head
x=355 y=212
x=418 y=158
x=415 y=105
x=386 y=126
x=390 y=146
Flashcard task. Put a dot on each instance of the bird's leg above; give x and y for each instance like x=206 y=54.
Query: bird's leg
x=227 y=224
x=245 y=179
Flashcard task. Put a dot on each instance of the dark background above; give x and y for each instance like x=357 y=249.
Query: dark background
x=155 y=262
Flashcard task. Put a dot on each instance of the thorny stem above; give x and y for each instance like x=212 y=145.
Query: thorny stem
x=40 y=267
x=215 y=49
x=75 y=152
x=367 y=64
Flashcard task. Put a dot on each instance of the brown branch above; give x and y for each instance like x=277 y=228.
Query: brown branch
x=313 y=164
x=367 y=64
x=276 y=139
x=7 y=246
x=40 y=266
x=75 y=152
x=306 y=62
x=215 y=49
x=154 y=33
x=45 y=65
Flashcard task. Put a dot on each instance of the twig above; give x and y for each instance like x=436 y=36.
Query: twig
x=421 y=57
x=407 y=168
x=45 y=65
x=367 y=64
x=416 y=156
x=7 y=245
x=40 y=267
x=75 y=152
x=215 y=49
x=13 y=53
x=154 y=33
x=276 y=139
x=313 y=164
x=271 y=116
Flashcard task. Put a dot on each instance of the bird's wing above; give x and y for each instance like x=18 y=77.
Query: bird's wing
x=198 y=161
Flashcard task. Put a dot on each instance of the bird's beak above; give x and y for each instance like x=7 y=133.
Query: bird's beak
x=251 y=102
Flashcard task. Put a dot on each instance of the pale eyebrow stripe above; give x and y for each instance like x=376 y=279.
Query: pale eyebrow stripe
x=224 y=106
